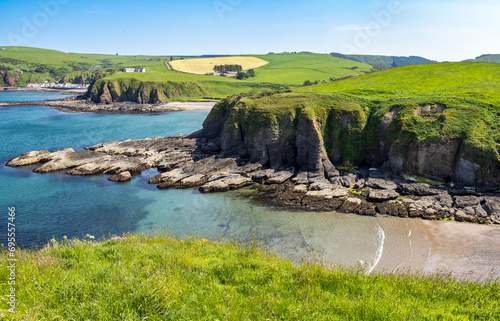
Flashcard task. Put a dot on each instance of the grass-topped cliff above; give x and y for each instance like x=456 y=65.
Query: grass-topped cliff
x=139 y=277
x=438 y=121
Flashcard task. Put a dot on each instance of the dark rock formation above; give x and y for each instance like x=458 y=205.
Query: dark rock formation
x=288 y=155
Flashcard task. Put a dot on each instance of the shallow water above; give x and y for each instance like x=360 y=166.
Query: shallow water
x=58 y=204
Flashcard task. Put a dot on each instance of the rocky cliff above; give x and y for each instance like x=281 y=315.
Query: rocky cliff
x=316 y=132
x=120 y=90
x=8 y=78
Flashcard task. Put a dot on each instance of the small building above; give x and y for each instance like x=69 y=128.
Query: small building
x=230 y=74
x=96 y=68
x=213 y=74
x=134 y=70
x=18 y=71
x=3 y=49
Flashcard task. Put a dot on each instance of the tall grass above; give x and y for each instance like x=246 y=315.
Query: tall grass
x=160 y=277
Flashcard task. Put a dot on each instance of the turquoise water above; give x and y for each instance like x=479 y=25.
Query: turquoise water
x=58 y=204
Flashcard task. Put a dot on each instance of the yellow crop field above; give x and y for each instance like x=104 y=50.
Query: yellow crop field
x=205 y=65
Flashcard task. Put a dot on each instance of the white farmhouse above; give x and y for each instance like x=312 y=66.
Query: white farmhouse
x=134 y=70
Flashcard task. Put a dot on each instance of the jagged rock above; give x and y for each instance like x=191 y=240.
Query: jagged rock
x=322 y=185
x=230 y=182
x=70 y=159
x=280 y=177
x=378 y=183
x=393 y=208
x=302 y=178
x=357 y=206
x=247 y=169
x=359 y=184
x=492 y=207
x=466 y=201
x=300 y=188
x=419 y=189
x=169 y=163
x=262 y=175
x=36 y=157
x=29 y=158
x=382 y=195
x=121 y=178
x=348 y=180
x=328 y=193
x=193 y=181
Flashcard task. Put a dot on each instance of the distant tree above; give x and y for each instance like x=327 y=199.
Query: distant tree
x=171 y=58
x=242 y=75
x=307 y=83
x=251 y=73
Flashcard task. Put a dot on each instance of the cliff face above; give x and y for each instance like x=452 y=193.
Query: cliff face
x=108 y=91
x=8 y=78
x=315 y=133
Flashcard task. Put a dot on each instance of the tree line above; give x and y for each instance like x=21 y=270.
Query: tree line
x=226 y=68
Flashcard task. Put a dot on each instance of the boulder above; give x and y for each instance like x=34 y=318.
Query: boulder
x=382 y=195
x=227 y=183
x=300 y=188
x=492 y=207
x=419 y=189
x=121 y=178
x=379 y=183
x=357 y=206
x=466 y=201
x=279 y=177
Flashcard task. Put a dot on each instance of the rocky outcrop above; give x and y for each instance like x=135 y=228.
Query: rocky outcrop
x=107 y=91
x=289 y=155
x=9 y=78
x=121 y=178
x=315 y=133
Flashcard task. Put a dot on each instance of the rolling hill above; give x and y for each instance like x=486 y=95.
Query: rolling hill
x=386 y=61
x=486 y=58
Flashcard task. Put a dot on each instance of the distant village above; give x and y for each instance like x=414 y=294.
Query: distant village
x=46 y=84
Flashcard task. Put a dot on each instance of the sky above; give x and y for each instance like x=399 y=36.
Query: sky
x=448 y=30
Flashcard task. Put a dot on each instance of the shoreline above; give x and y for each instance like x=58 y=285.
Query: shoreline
x=186 y=162
x=116 y=108
x=77 y=91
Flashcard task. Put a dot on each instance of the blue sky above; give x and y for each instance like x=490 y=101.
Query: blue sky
x=440 y=30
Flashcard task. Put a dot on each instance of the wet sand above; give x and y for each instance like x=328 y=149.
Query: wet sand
x=463 y=250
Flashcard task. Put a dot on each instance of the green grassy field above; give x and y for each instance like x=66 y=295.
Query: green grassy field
x=51 y=65
x=471 y=81
x=293 y=69
x=139 y=277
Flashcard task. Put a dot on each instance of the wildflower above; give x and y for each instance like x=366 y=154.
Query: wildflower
x=91 y=237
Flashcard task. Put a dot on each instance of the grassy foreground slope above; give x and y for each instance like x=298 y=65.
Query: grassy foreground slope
x=205 y=65
x=140 y=277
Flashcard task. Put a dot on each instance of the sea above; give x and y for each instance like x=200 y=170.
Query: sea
x=57 y=205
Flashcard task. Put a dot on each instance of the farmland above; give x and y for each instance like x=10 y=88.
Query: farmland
x=204 y=65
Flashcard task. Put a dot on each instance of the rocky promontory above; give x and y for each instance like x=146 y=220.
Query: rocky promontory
x=307 y=152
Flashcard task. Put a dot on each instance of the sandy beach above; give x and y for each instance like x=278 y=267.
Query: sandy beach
x=463 y=250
